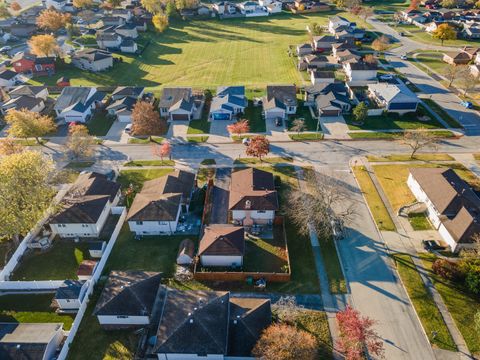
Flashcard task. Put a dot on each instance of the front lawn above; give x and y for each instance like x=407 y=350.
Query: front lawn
x=306 y=136
x=419 y=222
x=197 y=139
x=145 y=140
x=462 y=305
x=100 y=123
x=430 y=317
x=442 y=113
x=255 y=119
x=303 y=112
x=201 y=126
x=58 y=263
x=374 y=201
x=150 y=163
x=407 y=157
x=316 y=323
x=138 y=177
x=395 y=135
x=422 y=36
x=267 y=160
x=31 y=308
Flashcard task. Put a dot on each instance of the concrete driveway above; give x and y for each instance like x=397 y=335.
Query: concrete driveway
x=334 y=127
x=178 y=130
x=274 y=132
x=117 y=132
x=221 y=195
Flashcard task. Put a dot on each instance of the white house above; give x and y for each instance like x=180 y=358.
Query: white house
x=70 y=294
x=24 y=102
x=393 y=98
x=9 y=78
x=127 y=299
x=224 y=7
x=253 y=198
x=360 y=71
x=122 y=109
x=280 y=101
x=177 y=103
x=86 y=206
x=229 y=102
x=336 y=21
x=96 y=249
x=452 y=206
x=128 y=30
x=92 y=59
x=56 y=4
x=274 y=7
x=322 y=76
x=30 y=341
x=156 y=209
x=128 y=46
x=75 y=104
x=222 y=245
x=107 y=40
x=40 y=92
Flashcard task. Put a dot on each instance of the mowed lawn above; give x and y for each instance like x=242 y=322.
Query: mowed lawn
x=251 y=52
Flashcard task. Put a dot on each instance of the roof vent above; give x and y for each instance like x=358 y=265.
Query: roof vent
x=235 y=322
x=248 y=204
x=238 y=316
x=191 y=321
x=195 y=309
x=189 y=314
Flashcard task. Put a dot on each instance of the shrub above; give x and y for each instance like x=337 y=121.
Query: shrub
x=472 y=281
x=447 y=270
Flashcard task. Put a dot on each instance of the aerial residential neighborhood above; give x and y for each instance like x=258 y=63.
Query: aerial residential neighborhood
x=271 y=179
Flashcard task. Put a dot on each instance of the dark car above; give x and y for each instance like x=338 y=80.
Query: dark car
x=278 y=122
x=431 y=245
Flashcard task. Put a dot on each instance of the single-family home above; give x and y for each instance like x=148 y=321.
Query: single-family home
x=128 y=30
x=336 y=21
x=248 y=7
x=30 y=341
x=274 y=7
x=23 y=102
x=452 y=206
x=253 y=199
x=471 y=32
x=304 y=49
x=56 y=4
x=457 y=57
x=156 y=209
x=86 y=269
x=75 y=103
x=127 y=91
x=344 y=33
x=40 y=92
x=113 y=20
x=394 y=98
x=314 y=61
x=127 y=299
x=108 y=40
x=323 y=43
x=309 y=6
x=96 y=249
x=208 y=324
x=332 y=104
x=347 y=55
x=23 y=30
x=85 y=207
x=229 y=102
x=122 y=109
x=360 y=71
x=312 y=91
x=70 y=294
x=9 y=78
x=177 y=103
x=92 y=59
x=322 y=76
x=140 y=23
x=128 y=46
x=280 y=101
x=127 y=14
x=225 y=7
x=27 y=63
x=222 y=245
x=186 y=252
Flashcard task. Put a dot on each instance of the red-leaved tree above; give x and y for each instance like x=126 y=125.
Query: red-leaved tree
x=239 y=128
x=414 y=4
x=356 y=335
x=259 y=146
x=162 y=150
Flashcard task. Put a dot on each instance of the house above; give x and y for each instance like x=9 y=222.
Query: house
x=280 y=101
x=75 y=104
x=360 y=71
x=39 y=92
x=323 y=42
x=23 y=102
x=127 y=299
x=275 y=7
x=92 y=59
x=140 y=23
x=113 y=20
x=224 y=7
x=248 y=7
x=304 y=49
x=346 y=44
x=127 y=91
x=108 y=40
x=122 y=109
x=347 y=55
x=9 y=78
x=309 y=6
x=70 y=294
x=63 y=81
x=96 y=249
x=208 y=324
x=322 y=76
x=253 y=198
x=86 y=206
x=56 y=4
x=453 y=207
x=471 y=32
x=229 y=102
x=312 y=91
x=22 y=30
x=124 y=13
x=332 y=103
x=457 y=57
x=128 y=30
x=27 y=63
x=222 y=245
x=343 y=33
x=336 y=21
x=393 y=98
x=156 y=209
x=186 y=252
x=86 y=269
x=128 y=46
x=313 y=61
x=30 y=341
x=177 y=103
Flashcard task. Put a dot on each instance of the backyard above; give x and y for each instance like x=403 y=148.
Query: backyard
x=137 y=177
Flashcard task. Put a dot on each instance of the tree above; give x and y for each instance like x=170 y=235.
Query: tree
x=356 y=335
x=83 y=4
x=366 y=12
x=79 y=144
x=323 y=207
x=163 y=150
x=112 y=3
x=477 y=321
x=15 y=6
x=258 y=146
x=25 y=123
x=477 y=4
x=280 y=341
x=449 y=4
x=43 y=45
x=316 y=29
x=381 y=43
x=53 y=20
x=146 y=120
x=370 y=59
x=4 y=13
x=153 y=6
x=238 y=128
x=348 y=4
x=444 y=32
x=452 y=71
x=160 y=22
x=25 y=194
x=287 y=310
x=360 y=112
x=298 y=125
x=170 y=9
x=418 y=139
x=9 y=146
x=467 y=81
x=186 y=4
x=414 y=5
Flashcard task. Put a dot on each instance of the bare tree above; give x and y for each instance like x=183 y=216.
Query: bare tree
x=452 y=71
x=287 y=309
x=467 y=81
x=298 y=125
x=324 y=207
x=418 y=139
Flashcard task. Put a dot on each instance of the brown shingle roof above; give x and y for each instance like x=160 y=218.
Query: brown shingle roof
x=222 y=240
x=86 y=267
x=252 y=189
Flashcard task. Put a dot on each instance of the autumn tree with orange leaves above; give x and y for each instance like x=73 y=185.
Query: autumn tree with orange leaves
x=53 y=20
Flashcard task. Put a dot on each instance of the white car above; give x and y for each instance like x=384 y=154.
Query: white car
x=404 y=57
x=4 y=49
x=128 y=128
x=386 y=77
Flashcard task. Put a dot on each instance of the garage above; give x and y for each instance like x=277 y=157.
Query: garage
x=221 y=116
x=330 y=113
x=180 y=117
x=275 y=114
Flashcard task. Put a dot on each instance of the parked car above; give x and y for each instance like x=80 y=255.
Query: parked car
x=246 y=141
x=128 y=128
x=467 y=104
x=403 y=57
x=402 y=34
x=278 y=122
x=386 y=77
x=431 y=245
x=5 y=49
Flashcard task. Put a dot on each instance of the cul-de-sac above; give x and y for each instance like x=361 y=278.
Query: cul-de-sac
x=233 y=180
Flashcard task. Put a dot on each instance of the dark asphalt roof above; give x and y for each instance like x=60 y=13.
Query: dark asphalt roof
x=222 y=239
x=253 y=187
x=70 y=289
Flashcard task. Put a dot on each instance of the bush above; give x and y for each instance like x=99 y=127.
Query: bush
x=447 y=270
x=472 y=281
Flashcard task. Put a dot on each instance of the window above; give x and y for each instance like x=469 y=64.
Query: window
x=139 y=222
x=122 y=317
x=38 y=67
x=261 y=211
x=163 y=223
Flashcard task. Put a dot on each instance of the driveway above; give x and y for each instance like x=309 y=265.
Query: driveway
x=178 y=130
x=117 y=132
x=276 y=133
x=334 y=127
x=221 y=195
